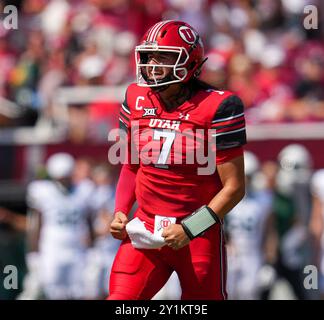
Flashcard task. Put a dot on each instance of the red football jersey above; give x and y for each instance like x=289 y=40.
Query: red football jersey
x=175 y=176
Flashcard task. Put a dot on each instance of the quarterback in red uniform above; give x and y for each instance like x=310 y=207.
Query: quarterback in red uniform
x=172 y=120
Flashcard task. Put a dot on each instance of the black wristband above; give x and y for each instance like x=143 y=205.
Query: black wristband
x=199 y=221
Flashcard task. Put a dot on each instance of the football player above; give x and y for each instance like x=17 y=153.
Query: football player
x=171 y=119
x=316 y=224
x=59 y=224
x=290 y=218
x=246 y=226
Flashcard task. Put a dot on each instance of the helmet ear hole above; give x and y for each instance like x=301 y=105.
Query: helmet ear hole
x=163 y=33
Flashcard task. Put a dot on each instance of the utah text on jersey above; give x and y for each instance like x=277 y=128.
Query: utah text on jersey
x=191 y=134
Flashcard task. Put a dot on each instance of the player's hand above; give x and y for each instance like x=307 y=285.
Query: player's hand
x=175 y=237
x=118 y=226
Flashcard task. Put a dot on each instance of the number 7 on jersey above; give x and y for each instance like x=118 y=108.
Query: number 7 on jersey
x=167 y=144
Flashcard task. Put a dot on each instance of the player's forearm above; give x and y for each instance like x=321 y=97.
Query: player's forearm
x=125 y=191
x=232 y=176
x=33 y=228
x=227 y=199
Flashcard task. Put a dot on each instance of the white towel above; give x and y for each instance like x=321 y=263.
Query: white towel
x=142 y=238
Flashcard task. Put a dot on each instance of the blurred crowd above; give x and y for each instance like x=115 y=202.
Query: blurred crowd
x=258 y=49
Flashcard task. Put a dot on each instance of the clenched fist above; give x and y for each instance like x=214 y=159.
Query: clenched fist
x=118 y=226
x=175 y=237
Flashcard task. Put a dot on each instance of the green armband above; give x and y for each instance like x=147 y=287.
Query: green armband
x=199 y=221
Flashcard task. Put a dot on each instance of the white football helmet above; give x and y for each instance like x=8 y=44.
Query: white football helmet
x=295 y=165
x=60 y=165
x=294 y=156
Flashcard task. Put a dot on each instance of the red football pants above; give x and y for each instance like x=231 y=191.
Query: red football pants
x=138 y=274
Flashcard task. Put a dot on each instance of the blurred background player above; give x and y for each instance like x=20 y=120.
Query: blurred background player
x=316 y=225
x=291 y=215
x=246 y=228
x=59 y=230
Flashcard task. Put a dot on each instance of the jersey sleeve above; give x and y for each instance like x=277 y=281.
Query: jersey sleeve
x=124 y=115
x=229 y=124
x=223 y=156
x=125 y=190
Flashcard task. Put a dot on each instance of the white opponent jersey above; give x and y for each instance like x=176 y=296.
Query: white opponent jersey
x=317 y=188
x=245 y=223
x=64 y=215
